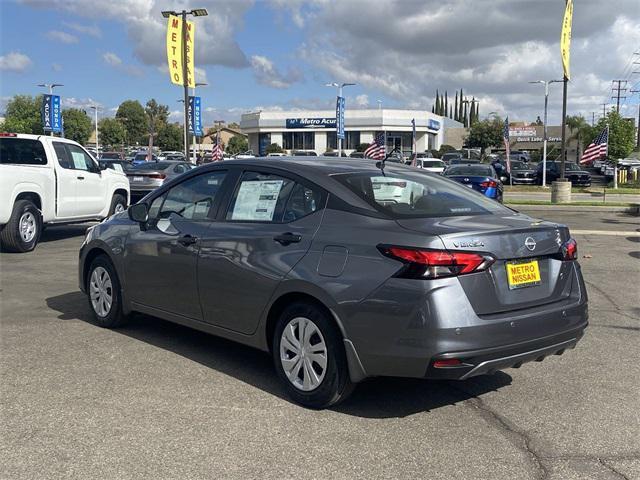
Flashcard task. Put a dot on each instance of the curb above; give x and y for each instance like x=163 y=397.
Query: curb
x=633 y=210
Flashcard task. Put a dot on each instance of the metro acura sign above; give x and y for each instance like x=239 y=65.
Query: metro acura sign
x=311 y=123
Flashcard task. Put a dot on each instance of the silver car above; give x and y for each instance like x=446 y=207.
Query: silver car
x=147 y=176
x=342 y=269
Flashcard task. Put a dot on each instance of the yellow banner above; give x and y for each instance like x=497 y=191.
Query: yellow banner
x=565 y=38
x=174 y=51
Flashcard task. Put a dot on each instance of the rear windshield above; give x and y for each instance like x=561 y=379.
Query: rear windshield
x=22 y=151
x=110 y=156
x=408 y=194
x=152 y=166
x=470 y=170
x=432 y=163
x=519 y=166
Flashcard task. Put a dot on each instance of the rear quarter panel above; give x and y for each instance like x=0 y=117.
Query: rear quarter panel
x=17 y=179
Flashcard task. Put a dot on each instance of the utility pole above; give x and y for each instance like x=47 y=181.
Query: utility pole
x=638 y=124
x=618 y=89
x=604 y=109
x=95 y=108
x=593 y=118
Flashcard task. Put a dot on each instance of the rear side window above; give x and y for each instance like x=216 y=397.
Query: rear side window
x=194 y=199
x=302 y=202
x=22 y=151
x=408 y=194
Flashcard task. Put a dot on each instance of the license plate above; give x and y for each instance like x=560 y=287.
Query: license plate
x=523 y=274
x=137 y=179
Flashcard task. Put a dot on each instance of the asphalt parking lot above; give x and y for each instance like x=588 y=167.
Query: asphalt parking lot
x=156 y=400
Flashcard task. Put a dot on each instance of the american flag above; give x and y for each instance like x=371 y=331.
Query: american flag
x=376 y=149
x=218 y=149
x=597 y=148
x=505 y=137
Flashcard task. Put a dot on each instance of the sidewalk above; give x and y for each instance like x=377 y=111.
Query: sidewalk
x=575 y=197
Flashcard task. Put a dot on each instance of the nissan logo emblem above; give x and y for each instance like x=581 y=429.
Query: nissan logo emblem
x=530 y=243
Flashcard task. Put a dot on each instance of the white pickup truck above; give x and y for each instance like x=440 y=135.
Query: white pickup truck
x=48 y=180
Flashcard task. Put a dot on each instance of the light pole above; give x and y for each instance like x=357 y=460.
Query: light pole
x=95 y=108
x=340 y=86
x=50 y=86
x=379 y=104
x=544 y=134
x=196 y=12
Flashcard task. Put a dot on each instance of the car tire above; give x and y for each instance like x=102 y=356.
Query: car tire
x=323 y=387
x=103 y=293
x=118 y=204
x=22 y=231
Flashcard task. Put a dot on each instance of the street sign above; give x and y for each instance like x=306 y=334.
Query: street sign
x=51 y=114
x=195 y=116
x=340 y=118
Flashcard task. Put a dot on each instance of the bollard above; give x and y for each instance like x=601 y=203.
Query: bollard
x=561 y=191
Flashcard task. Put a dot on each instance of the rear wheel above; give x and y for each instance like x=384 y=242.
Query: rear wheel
x=22 y=231
x=118 y=204
x=103 y=291
x=309 y=357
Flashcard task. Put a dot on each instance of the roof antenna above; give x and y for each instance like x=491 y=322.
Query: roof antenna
x=381 y=163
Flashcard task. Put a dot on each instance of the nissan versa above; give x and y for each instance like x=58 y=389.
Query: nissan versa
x=342 y=269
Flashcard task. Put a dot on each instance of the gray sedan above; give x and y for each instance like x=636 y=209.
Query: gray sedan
x=342 y=269
x=147 y=176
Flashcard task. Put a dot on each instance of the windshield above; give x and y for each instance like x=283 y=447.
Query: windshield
x=572 y=167
x=408 y=194
x=152 y=166
x=519 y=166
x=110 y=156
x=432 y=163
x=470 y=170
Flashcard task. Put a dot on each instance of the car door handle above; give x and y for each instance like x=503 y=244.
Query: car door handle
x=287 y=238
x=80 y=178
x=187 y=240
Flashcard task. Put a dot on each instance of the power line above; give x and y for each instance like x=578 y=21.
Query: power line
x=619 y=89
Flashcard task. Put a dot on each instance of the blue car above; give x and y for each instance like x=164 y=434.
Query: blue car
x=480 y=177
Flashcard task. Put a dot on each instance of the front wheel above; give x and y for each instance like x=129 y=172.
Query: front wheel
x=22 y=231
x=309 y=357
x=118 y=204
x=103 y=291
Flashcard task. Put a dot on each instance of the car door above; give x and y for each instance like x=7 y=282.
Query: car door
x=268 y=227
x=90 y=187
x=162 y=255
x=66 y=183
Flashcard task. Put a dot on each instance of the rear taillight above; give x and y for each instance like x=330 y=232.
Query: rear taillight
x=157 y=175
x=429 y=264
x=570 y=249
x=6 y=134
x=489 y=184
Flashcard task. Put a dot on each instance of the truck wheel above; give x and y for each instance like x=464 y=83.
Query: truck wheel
x=22 y=231
x=309 y=357
x=103 y=293
x=118 y=204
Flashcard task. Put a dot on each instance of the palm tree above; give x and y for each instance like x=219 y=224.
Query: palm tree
x=578 y=127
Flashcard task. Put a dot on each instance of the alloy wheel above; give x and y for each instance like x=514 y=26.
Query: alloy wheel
x=303 y=354
x=101 y=291
x=28 y=227
x=119 y=208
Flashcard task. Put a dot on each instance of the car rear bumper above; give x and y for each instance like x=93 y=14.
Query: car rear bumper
x=526 y=181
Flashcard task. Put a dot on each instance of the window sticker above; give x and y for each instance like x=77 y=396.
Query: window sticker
x=257 y=200
x=78 y=160
x=118 y=168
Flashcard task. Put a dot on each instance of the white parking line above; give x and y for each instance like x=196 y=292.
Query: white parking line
x=615 y=233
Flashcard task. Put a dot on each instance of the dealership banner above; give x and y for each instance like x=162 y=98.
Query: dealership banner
x=565 y=38
x=522 y=132
x=51 y=114
x=195 y=116
x=174 y=51
x=310 y=123
x=340 y=118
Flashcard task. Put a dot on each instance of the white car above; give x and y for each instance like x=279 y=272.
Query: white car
x=431 y=165
x=47 y=180
x=247 y=154
x=276 y=154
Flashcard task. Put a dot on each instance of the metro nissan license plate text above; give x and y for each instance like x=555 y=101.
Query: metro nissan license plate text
x=521 y=275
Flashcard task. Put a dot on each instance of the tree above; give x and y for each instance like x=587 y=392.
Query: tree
x=77 y=125
x=234 y=125
x=485 y=134
x=237 y=144
x=465 y=115
x=133 y=117
x=437 y=103
x=455 y=108
x=460 y=104
x=579 y=128
x=170 y=137
x=157 y=116
x=450 y=111
x=621 y=135
x=446 y=104
x=274 y=148
x=112 y=132
x=363 y=146
x=22 y=115
x=444 y=148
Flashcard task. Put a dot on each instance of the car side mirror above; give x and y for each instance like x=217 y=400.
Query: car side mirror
x=139 y=212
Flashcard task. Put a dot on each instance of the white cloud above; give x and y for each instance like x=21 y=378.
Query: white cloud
x=362 y=100
x=112 y=59
x=56 y=67
x=92 y=30
x=115 y=61
x=267 y=74
x=60 y=36
x=15 y=62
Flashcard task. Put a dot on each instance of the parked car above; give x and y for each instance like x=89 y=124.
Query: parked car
x=463 y=161
x=312 y=261
x=519 y=156
x=142 y=157
x=111 y=156
x=117 y=165
x=431 y=164
x=148 y=176
x=522 y=173
x=573 y=172
x=276 y=154
x=247 y=154
x=479 y=177
x=330 y=154
x=175 y=157
x=356 y=155
x=47 y=180
x=448 y=157
x=304 y=153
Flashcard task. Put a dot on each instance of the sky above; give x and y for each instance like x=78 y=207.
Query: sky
x=279 y=54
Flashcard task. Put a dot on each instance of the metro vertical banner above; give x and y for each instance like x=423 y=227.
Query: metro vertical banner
x=195 y=116
x=565 y=38
x=174 y=51
x=51 y=113
x=340 y=118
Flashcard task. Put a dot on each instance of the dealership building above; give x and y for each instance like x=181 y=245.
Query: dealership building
x=315 y=130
